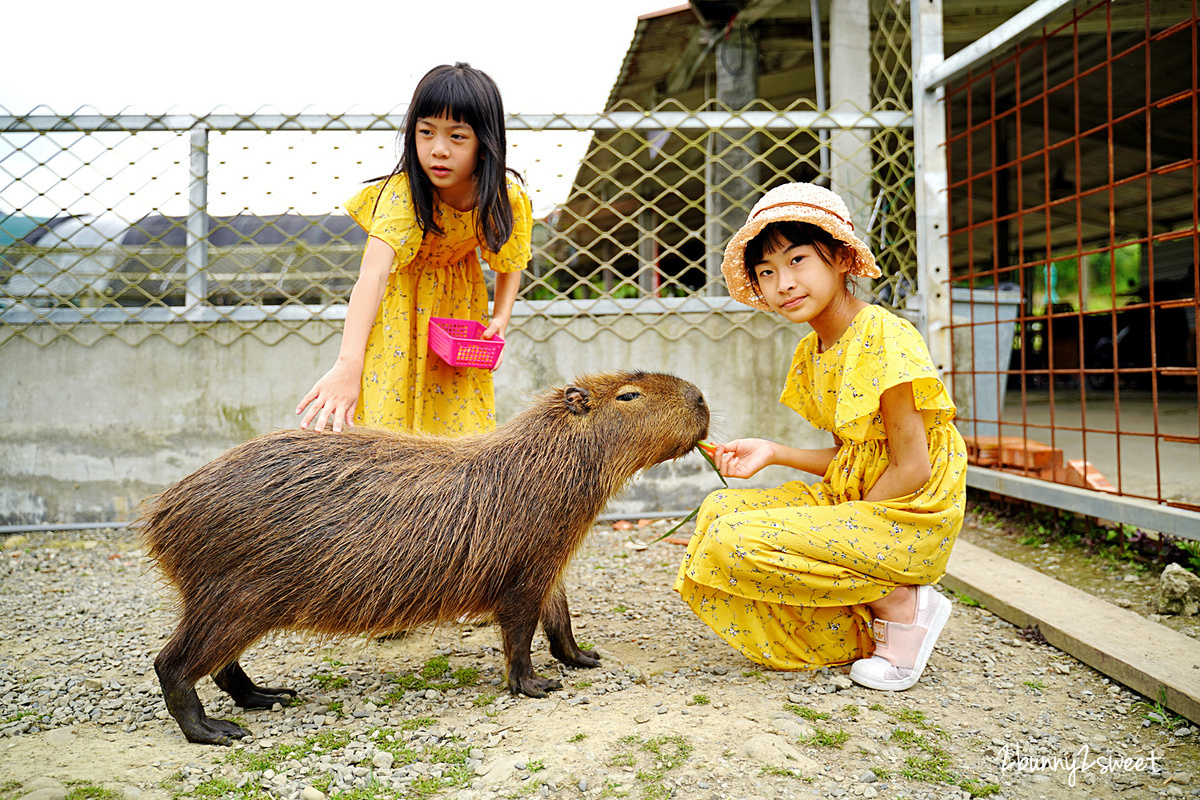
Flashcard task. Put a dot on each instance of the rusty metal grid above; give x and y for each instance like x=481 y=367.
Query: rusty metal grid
x=1073 y=182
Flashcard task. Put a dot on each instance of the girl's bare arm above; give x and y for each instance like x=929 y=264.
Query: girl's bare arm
x=908 y=469
x=335 y=395
x=507 y=285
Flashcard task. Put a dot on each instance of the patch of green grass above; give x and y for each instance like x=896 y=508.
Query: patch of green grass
x=610 y=789
x=434 y=674
x=484 y=699
x=535 y=766
x=417 y=722
x=84 y=790
x=9 y=787
x=328 y=682
x=967 y=600
x=226 y=789
x=452 y=758
x=752 y=673
x=1158 y=714
x=435 y=667
x=465 y=676
x=664 y=754
x=850 y=710
x=584 y=645
x=1036 y=686
x=583 y=684
x=805 y=713
x=978 y=789
x=337 y=707
x=323 y=742
x=619 y=609
x=931 y=763
x=374 y=791
x=784 y=773
x=700 y=699
x=824 y=738
x=579 y=737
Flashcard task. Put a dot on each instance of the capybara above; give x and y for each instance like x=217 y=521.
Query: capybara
x=371 y=532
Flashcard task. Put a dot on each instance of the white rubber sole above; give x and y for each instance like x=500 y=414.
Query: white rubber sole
x=870 y=672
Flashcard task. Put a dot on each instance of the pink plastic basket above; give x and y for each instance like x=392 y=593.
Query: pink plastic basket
x=457 y=342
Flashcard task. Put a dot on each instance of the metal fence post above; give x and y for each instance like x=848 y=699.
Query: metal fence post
x=196 y=287
x=933 y=213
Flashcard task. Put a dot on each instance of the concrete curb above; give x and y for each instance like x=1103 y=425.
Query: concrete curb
x=1154 y=660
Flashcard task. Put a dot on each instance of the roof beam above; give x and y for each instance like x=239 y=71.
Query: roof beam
x=995 y=42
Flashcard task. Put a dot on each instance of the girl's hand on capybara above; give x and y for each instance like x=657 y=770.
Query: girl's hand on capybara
x=333 y=398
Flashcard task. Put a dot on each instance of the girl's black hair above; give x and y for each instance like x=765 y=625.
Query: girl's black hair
x=778 y=235
x=464 y=94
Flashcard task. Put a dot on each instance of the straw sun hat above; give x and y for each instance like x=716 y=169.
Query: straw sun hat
x=793 y=202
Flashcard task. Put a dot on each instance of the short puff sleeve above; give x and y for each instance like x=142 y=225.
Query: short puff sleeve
x=886 y=351
x=516 y=252
x=393 y=219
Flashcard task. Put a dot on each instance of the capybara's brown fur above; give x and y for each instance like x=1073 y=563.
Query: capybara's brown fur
x=372 y=532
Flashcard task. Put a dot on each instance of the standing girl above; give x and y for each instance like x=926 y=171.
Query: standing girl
x=838 y=571
x=450 y=193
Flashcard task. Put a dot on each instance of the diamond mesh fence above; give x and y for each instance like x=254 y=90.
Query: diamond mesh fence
x=182 y=226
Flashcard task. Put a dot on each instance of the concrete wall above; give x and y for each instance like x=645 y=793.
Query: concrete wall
x=86 y=433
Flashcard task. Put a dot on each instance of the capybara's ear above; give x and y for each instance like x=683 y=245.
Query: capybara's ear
x=577 y=399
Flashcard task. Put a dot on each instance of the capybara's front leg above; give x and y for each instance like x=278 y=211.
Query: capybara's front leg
x=184 y=705
x=517 y=624
x=556 y=622
x=234 y=681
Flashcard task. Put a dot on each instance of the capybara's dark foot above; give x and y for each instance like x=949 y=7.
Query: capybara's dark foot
x=184 y=705
x=213 y=731
x=233 y=680
x=533 y=686
x=586 y=658
x=574 y=657
x=265 y=697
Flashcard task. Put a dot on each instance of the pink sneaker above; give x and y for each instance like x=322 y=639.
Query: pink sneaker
x=901 y=651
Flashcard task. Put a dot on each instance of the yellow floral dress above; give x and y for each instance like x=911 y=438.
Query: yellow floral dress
x=404 y=384
x=783 y=574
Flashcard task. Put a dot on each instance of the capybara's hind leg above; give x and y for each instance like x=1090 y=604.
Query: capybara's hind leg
x=197 y=648
x=517 y=624
x=556 y=622
x=184 y=705
x=234 y=681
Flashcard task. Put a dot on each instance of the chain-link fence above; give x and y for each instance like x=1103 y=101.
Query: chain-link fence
x=133 y=226
x=180 y=225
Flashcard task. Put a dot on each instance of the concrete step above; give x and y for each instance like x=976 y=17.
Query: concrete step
x=1149 y=658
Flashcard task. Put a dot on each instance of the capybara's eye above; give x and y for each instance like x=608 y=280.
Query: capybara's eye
x=629 y=396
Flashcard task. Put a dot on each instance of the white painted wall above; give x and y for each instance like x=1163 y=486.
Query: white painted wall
x=88 y=432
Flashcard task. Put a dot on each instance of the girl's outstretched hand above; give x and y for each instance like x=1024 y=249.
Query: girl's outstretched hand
x=742 y=458
x=332 y=398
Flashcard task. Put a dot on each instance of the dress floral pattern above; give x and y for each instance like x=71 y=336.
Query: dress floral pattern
x=405 y=385
x=784 y=574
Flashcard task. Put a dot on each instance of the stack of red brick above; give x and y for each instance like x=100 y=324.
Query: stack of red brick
x=1034 y=459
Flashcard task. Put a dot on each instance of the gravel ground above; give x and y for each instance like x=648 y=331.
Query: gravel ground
x=673 y=711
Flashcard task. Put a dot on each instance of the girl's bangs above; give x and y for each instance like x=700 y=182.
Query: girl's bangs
x=447 y=98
